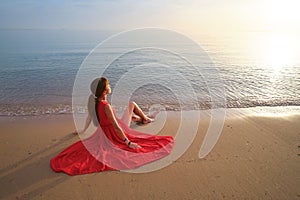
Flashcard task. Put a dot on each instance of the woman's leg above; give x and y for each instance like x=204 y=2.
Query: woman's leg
x=135 y=113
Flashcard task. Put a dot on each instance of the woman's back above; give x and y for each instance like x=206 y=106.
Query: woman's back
x=103 y=119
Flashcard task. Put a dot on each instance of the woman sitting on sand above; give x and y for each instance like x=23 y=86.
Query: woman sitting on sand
x=114 y=145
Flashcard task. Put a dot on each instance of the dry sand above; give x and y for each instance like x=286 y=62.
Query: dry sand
x=256 y=157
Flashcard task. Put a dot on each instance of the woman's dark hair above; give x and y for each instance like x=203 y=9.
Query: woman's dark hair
x=98 y=86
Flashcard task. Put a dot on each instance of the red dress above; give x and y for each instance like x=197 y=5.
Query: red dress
x=105 y=150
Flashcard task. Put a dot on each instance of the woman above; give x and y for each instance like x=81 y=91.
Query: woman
x=113 y=146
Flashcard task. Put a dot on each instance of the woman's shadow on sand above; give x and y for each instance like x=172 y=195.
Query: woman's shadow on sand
x=32 y=176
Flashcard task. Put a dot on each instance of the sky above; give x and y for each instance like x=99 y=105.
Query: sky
x=182 y=15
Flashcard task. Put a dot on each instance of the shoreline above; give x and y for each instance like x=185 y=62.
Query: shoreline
x=256 y=157
x=255 y=109
x=20 y=110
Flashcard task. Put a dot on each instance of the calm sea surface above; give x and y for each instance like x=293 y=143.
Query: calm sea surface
x=38 y=69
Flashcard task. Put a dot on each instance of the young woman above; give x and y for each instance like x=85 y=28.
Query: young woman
x=113 y=146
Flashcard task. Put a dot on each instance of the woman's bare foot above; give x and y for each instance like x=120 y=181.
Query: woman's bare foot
x=150 y=118
x=138 y=119
x=147 y=120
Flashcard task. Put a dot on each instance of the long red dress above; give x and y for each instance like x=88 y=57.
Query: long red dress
x=105 y=150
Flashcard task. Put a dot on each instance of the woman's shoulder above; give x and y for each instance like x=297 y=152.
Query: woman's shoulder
x=103 y=105
x=107 y=107
x=103 y=102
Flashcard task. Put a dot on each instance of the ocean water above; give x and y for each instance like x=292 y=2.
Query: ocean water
x=38 y=69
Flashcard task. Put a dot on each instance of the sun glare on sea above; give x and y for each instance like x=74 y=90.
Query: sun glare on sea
x=277 y=50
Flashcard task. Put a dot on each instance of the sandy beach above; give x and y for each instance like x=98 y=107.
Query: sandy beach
x=256 y=157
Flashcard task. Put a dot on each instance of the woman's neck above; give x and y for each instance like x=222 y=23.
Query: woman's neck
x=102 y=98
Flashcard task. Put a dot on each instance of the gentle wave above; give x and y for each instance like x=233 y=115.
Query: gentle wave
x=61 y=109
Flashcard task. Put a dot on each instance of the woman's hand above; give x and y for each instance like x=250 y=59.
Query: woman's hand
x=80 y=132
x=134 y=145
x=87 y=123
x=77 y=132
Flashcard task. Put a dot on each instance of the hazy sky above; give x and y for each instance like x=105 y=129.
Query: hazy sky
x=182 y=15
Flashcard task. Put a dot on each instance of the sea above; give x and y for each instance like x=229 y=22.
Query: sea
x=39 y=68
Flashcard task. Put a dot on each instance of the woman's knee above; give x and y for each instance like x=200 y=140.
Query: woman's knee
x=132 y=104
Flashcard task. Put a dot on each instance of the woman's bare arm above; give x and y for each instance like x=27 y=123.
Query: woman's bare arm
x=111 y=116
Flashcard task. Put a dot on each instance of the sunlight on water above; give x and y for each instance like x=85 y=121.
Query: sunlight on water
x=270 y=50
x=276 y=50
